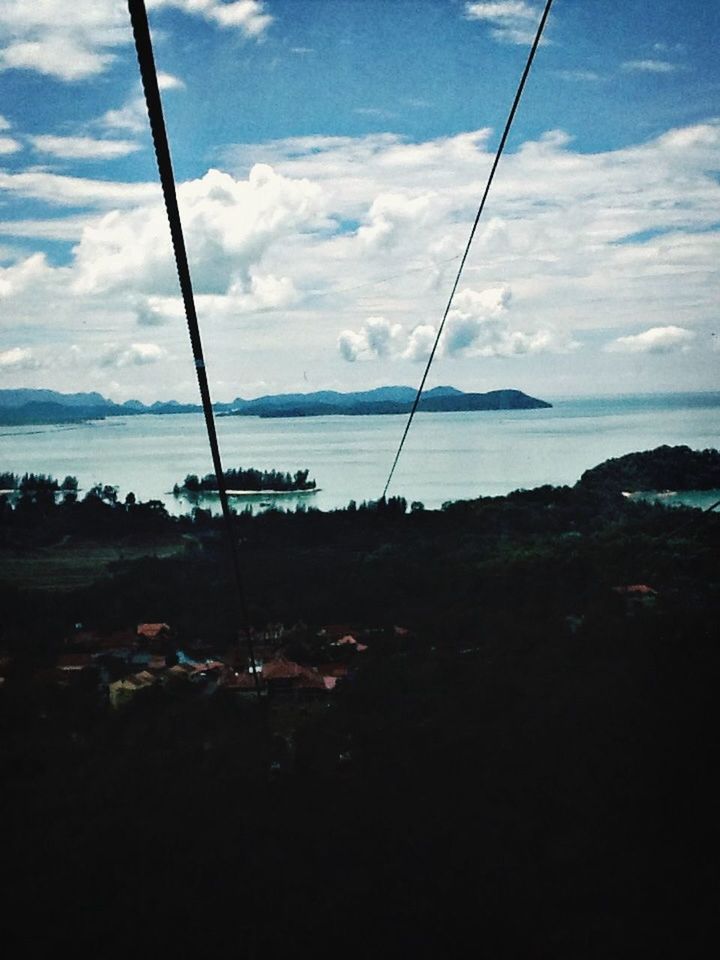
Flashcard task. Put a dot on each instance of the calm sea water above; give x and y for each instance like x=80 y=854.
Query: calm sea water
x=447 y=456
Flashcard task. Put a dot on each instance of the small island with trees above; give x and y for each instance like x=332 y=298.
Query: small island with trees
x=248 y=481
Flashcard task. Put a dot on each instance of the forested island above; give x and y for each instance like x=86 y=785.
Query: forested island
x=28 y=406
x=665 y=468
x=528 y=729
x=246 y=481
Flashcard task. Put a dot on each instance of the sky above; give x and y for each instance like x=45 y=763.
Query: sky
x=330 y=157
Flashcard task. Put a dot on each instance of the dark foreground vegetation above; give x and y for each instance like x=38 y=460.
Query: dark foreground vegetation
x=529 y=775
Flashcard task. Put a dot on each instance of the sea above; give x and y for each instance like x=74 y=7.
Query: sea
x=447 y=456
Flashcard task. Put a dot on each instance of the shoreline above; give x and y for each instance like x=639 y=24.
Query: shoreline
x=246 y=493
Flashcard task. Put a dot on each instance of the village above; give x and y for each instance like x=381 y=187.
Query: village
x=295 y=663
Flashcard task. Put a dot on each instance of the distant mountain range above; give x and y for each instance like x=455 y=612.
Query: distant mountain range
x=27 y=406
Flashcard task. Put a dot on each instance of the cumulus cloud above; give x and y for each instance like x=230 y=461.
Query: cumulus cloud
x=391 y=214
x=475 y=327
x=158 y=311
x=377 y=338
x=329 y=227
x=668 y=339
x=137 y=354
x=27 y=272
x=83 y=148
x=229 y=224
x=420 y=342
x=513 y=21
x=18 y=358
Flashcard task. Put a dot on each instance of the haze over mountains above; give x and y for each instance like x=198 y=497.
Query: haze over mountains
x=26 y=406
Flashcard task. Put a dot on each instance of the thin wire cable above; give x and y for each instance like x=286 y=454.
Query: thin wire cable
x=146 y=60
x=498 y=154
x=332 y=291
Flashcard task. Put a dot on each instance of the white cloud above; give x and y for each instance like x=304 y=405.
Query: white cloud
x=131 y=117
x=582 y=76
x=229 y=224
x=41 y=36
x=28 y=272
x=158 y=311
x=376 y=339
x=651 y=66
x=420 y=342
x=477 y=326
x=513 y=21
x=168 y=81
x=248 y=16
x=330 y=231
x=655 y=340
x=83 y=148
x=9 y=145
x=391 y=214
x=60 y=190
x=137 y=354
x=18 y=358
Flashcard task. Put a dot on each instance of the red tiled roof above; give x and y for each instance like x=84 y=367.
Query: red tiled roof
x=639 y=589
x=151 y=631
x=238 y=681
x=332 y=669
x=281 y=669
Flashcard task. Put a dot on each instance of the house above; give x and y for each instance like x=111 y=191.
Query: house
x=636 y=597
x=240 y=682
x=287 y=677
x=640 y=590
x=179 y=672
x=153 y=631
x=336 y=670
x=345 y=641
x=123 y=691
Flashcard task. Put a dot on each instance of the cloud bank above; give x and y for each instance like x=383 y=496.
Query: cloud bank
x=327 y=252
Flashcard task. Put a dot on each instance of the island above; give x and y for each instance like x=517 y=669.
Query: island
x=29 y=406
x=248 y=481
x=382 y=401
x=664 y=468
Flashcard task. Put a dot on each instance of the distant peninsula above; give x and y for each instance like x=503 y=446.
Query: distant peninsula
x=30 y=406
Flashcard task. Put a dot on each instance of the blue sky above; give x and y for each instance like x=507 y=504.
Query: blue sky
x=331 y=154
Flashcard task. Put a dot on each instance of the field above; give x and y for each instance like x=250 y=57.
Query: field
x=72 y=564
